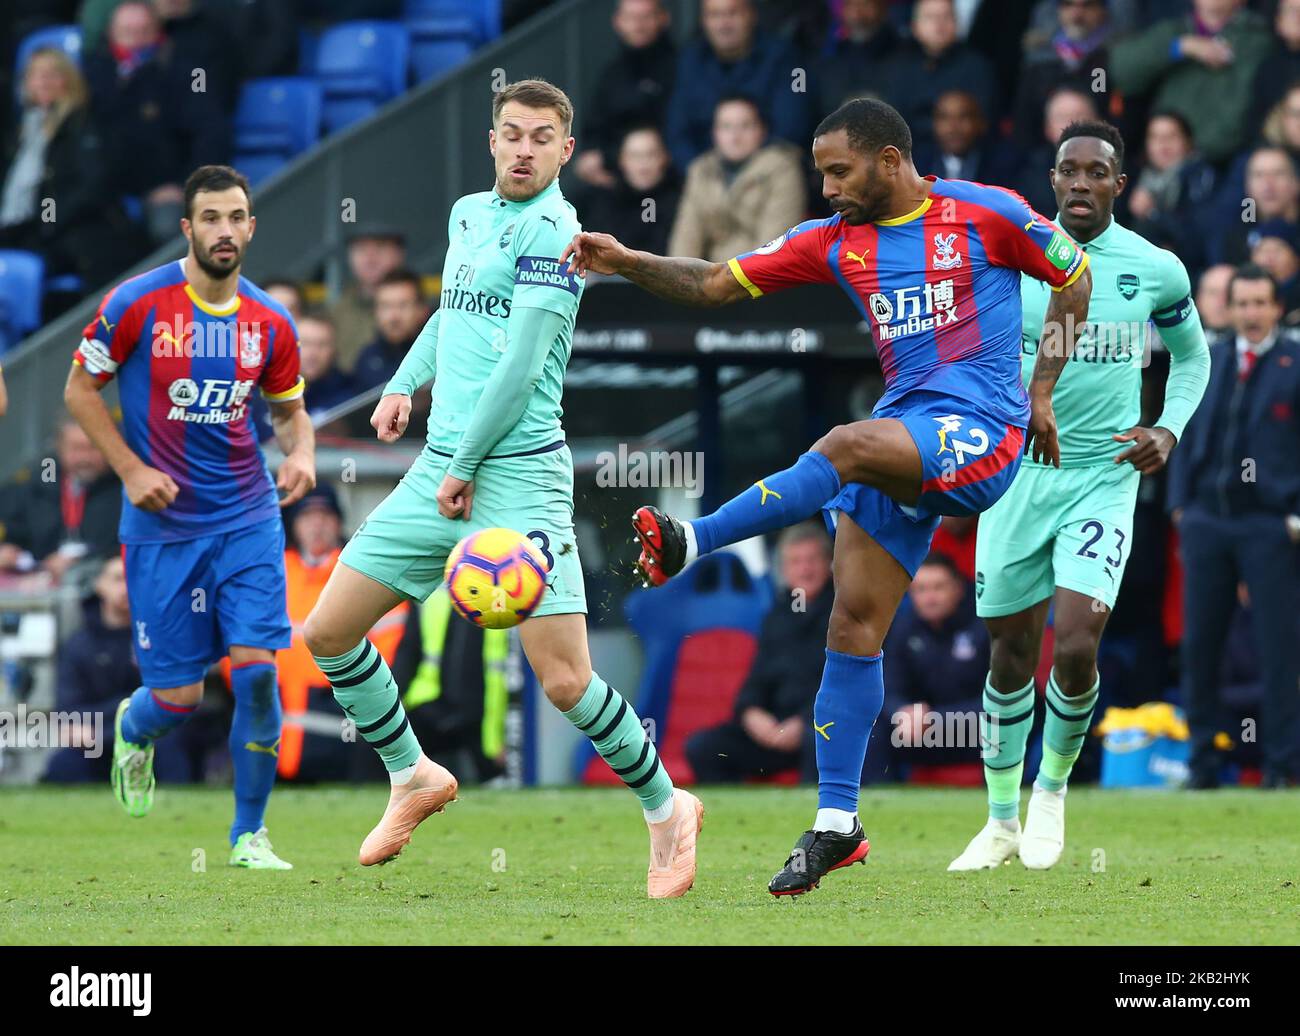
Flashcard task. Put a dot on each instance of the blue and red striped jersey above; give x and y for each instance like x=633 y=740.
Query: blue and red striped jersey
x=939 y=287
x=185 y=370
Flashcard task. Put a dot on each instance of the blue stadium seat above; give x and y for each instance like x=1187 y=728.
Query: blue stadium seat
x=21 y=277
x=278 y=116
x=360 y=65
x=259 y=168
x=66 y=38
x=484 y=15
x=439 y=45
x=308 y=48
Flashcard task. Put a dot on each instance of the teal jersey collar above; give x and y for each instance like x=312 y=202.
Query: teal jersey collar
x=545 y=192
x=1099 y=243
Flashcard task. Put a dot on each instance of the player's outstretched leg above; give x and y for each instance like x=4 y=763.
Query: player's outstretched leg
x=364 y=688
x=1004 y=732
x=254 y=748
x=879 y=452
x=869 y=583
x=556 y=646
x=140 y=721
x=1064 y=728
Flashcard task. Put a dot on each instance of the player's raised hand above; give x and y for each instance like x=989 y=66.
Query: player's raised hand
x=1150 y=450
x=391 y=415
x=150 y=489
x=455 y=497
x=1040 y=438
x=295 y=479
x=596 y=253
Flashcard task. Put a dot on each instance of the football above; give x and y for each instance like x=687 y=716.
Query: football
x=496 y=578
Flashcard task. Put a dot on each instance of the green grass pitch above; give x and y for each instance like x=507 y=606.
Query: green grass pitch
x=568 y=866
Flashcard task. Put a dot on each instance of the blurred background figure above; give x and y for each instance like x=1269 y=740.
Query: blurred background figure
x=1070 y=50
x=1212 y=298
x=772 y=726
x=326 y=385
x=1168 y=202
x=961 y=147
x=400 y=313
x=373 y=253
x=938 y=659
x=56 y=199
x=1234 y=493
x=1066 y=105
x=65 y=510
x=633 y=89
x=744 y=192
x=286 y=292
x=640 y=205
x=1272 y=192
x=1276 y=248
x=734 y=57
x=857 y=54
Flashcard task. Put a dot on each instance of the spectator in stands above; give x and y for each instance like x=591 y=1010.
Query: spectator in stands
x=734 y=57
x=938 y=660
x=1273 y=189
x=639 y=209
x=286 y=292
x=955 y=540
x=1281 y=68
x=933 y=62
x=55 y=198
x=1071 y=56
x=326 y=385
x=772 y=725
x=961 y=148
x=310 y=746
x=857 y=54
x=1276 y=247
x=1169 y=201
x=632 y=89
x=1281 y=126
x=400 y=313
x=1065 y=106
x=1212 y=297
x=200 y=33
x=1201 y=65
x=65 y=511
x=143 y=96
x=1234 y=493
x=373 y=253
x=743 y=192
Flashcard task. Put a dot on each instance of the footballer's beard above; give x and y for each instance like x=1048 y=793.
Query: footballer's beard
x=219 y=267
x=522 y=190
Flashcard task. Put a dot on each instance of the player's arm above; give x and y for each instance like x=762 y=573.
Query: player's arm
x=393 y=411
x=680 y=279
x=1179 y=326
x=530 y=333
x=1066 y=313
x=296 y=438
x=147 y=488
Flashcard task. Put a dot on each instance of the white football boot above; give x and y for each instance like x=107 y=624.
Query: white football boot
x=1044 y=837
x=992 y=847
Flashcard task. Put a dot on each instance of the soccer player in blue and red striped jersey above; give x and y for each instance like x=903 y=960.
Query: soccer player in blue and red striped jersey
x=934 y=267
x=201 y=531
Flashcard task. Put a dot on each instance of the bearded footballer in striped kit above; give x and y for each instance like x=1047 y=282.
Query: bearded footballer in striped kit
x=1061 y=538
x=202 y=538
x=934 y=266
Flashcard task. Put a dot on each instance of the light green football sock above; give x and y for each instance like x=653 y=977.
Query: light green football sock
x=1004 y=732
x=1068 y=720
x=605 y=716
x=365 y=689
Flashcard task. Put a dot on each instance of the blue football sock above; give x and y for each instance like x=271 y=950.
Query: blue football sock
x=148 y=717
x=771 y=503
x=848 y=702
x=254 y=742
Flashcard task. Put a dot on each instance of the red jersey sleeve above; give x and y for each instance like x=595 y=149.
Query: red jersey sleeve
x=280 y=378
x=1015 y=235
x=111 y=335
x=796 y=257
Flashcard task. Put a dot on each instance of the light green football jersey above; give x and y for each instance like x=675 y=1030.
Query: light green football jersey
x=1099 y=392
x=502 y=254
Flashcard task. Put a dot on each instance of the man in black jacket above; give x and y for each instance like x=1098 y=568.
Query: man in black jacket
x=66 y=509
x=1234 y=494
x=773 y=714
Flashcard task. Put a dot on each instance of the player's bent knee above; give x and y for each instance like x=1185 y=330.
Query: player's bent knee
x=1074 y=659
x=855 y=633
x=188 y=694
x=323 y=638
x=564 y=688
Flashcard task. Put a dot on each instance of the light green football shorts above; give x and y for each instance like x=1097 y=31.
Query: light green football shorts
x=1067 y=527
x=404 y=542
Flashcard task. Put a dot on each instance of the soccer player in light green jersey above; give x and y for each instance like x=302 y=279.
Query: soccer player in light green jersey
x=1062 y=537
x=496 y=351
